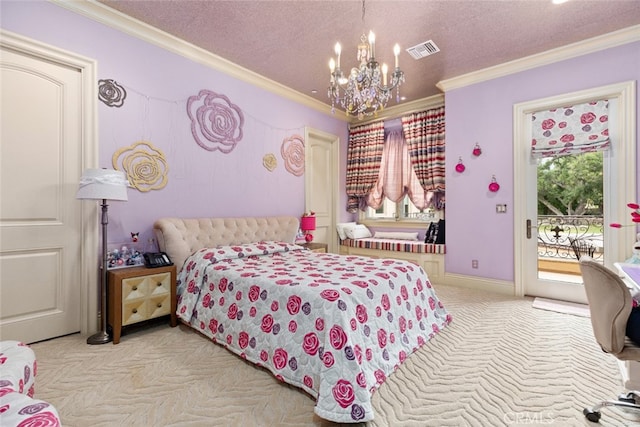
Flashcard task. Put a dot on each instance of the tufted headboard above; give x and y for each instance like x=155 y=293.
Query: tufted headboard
x=180 y=237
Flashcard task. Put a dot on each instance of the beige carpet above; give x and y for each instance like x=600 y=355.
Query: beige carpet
x=500 y=363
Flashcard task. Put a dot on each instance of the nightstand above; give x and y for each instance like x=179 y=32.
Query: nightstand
x=316 y=247
x=137 y=294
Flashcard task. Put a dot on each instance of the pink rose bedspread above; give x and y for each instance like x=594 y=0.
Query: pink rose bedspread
x=336 y=326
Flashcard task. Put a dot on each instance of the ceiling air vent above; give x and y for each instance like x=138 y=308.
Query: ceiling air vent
x=423 y=50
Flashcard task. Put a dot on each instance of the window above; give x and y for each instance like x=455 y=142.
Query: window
x=403 y=212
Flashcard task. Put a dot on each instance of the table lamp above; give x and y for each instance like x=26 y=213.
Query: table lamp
x=102 y=184
x=307 y=225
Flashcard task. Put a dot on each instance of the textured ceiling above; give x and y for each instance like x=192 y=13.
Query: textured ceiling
x=291 y=42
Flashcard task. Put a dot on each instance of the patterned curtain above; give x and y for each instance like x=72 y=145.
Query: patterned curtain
x=571 y=130
x=363 y=163
x=424 y=133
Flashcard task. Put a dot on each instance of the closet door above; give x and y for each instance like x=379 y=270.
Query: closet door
x=41 y=234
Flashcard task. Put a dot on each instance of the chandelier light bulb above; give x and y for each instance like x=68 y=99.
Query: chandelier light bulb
x=332 y=66
x=372 y=42
x=396 y=52
x=338 y=50
x=384 y=74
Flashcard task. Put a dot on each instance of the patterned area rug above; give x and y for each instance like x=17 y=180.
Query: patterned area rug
x=500 y=363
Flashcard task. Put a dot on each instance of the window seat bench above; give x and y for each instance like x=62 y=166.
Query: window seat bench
x=427 y=255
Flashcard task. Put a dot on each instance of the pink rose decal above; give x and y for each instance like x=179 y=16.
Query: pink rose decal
x=382 y=338
x=293 y=326
x=327 y=359
x=343 y=393
x=310 y=344
x=223 y=284
x=308 y=381
x=233 y=311
x=320 y=324
x=243 y=339
x=267 y=323
x=254 y=293
x=361 y=313
x=385 y=302
x=330 y=295
x=548 y=124
x=216 y=123
x=293 y=304
x=380 y=376
x=337 y=337
x=587 y=118
x=213 y=325
x=280 y=358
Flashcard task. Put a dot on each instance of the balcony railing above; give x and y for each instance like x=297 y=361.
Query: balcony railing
x=569 y=237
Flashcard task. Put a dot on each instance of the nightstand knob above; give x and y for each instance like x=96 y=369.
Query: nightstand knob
x=159 y=304
x=135 y=288
x=135 y=310
x=159 y=284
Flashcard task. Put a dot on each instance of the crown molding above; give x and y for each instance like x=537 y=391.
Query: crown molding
x=136 y=28
x=605 y=41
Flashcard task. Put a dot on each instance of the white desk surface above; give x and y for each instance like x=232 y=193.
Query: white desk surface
x=630 y=273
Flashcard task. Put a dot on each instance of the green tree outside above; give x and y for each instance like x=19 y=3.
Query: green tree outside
x=570 y=185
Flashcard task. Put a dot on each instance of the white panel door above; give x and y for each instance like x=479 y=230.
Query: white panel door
x=321 y=184
x=40 y=219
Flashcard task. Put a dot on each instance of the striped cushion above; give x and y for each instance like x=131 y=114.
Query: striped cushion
x=395 y=245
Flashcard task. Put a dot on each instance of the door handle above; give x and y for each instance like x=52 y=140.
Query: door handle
x=529 y=227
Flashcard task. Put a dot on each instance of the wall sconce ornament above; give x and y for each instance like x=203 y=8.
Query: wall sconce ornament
x=216 y=123
x=270 y=162
x=476 y=150
x=111 y=93
x=460 y=166
x=292 y=151
x=144 y=164
x=493 y=185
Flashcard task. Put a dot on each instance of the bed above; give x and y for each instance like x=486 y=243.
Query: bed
x=333 y=325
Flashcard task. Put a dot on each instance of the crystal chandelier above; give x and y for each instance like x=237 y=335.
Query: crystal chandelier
x=366 y=90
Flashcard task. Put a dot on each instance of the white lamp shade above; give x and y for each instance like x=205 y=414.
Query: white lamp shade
x=99 y=184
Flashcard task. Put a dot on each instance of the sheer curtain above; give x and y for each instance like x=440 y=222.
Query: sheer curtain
x=364 y=156
x=397 y=177
x=571 y=130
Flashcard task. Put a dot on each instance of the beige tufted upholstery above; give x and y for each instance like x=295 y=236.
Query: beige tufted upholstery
x=180 y=237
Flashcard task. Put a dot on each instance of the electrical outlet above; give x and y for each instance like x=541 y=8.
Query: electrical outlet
x=474 y=263
x=501 y=208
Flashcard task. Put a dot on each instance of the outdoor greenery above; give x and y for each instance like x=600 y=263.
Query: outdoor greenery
x=570 y=185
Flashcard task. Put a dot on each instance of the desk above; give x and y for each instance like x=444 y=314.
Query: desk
x=630 y=273
x=630 y=370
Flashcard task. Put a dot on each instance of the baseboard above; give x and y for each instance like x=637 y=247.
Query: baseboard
x=480 y=283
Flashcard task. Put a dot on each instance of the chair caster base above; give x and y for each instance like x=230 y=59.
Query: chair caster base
x=593 y=416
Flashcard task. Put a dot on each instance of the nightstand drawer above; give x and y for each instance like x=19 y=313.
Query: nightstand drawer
x=139 y=293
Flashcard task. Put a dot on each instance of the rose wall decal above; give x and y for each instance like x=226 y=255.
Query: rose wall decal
x=292 y=151
x=111 y=93
x=144 y=164
x=270 y=162
x=216 y=123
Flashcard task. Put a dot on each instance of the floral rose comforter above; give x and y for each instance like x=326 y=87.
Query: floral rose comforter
x=333 y=325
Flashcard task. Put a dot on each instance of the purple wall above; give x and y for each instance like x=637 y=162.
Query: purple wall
x=483 y=113
x=158 y=84
x=203 y=183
